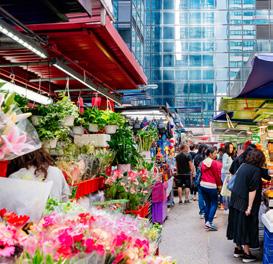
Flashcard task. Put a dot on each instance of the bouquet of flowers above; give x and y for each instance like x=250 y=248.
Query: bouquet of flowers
x=133 y=186
x=17 y=135
x=78 y=236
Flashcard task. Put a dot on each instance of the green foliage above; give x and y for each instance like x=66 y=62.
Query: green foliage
x=94 y=116
x=66 y=107
x=79 y=121
x=146 y=138
x=113 y=118
x=124 y=145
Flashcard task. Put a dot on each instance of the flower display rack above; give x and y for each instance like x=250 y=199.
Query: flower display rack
x=89 y=186
x=142 y=211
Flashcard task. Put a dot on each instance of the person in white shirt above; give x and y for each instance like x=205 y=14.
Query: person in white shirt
x=227 y=160
x=38 y=165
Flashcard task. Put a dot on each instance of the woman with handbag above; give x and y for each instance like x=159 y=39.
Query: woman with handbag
x=244 y=206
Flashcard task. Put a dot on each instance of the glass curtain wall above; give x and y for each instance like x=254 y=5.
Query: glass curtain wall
x=130 y=18
x=198 y=50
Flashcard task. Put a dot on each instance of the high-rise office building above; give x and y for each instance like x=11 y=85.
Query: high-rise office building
x=130 y=18
x=198 y=50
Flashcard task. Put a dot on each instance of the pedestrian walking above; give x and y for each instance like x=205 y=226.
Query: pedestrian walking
x=210 y=181
x=225 y=173
x=244 y=206
x=185 y=171
x=200 y=156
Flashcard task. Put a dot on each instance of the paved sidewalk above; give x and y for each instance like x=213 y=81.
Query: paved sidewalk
x=185 y=239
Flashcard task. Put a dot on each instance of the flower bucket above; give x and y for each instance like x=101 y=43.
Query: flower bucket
x=3 y=168
x=50 y=144
x=89 y=186
x=111 y=129
x=68 y=121
x=35 y=120
x=124 y=168
x=142 y=211
x=78 y=130
x=93 y=128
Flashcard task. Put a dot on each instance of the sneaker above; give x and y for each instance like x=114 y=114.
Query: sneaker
x=202 y=216
x=194 y=198
x=249 y=258
x=211 y=227
x=180 y=202
x=238 y=253
x=187 y=201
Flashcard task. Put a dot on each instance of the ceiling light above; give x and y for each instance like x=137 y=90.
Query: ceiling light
x=7 y=30
x=62 y=67
x=13 y=88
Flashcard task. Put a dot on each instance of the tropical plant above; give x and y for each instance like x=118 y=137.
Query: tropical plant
x=146 y=137
x=79 y=121
x=94 y=116
x=125 y=147
x=113 y=118
x=66 y=107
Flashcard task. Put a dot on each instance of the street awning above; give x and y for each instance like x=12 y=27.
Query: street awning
x=260 y=81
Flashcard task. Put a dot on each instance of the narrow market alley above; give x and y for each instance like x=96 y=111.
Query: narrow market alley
x=185 y=238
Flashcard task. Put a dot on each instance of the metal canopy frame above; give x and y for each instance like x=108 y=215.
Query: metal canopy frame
x=36 y=48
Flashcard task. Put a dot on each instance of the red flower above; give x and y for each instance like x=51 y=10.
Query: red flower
x=90 y=245
x=3 y=211
x=121 y=239
x=66 y=239
x=118 y=258
x=16 y=220
x=78 y=238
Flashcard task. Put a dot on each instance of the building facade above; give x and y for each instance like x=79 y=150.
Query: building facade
x=130 y=21
x=199 y=50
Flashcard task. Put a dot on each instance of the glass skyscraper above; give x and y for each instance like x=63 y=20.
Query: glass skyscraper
x=130 y=18
x=198 y=51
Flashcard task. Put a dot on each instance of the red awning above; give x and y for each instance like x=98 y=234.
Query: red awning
x=97 y=48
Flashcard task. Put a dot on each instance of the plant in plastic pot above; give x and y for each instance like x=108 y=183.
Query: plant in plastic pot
x=122 y=142
x=93 y=119
x=146 y=137
x=67 y=110
x=113 y=121
x=50 y=129
x=78 y=126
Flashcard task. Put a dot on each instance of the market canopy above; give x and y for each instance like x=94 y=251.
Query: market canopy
x=260 y=81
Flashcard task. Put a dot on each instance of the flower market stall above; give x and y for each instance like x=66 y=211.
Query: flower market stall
x=94 y=226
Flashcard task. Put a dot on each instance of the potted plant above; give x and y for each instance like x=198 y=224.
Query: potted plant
x=146 y=137
x=113 y=121
x=93 y=118
x=122 y=142
x=67 y=110
x=50 y=129
x=37 y=113
x=78 y=126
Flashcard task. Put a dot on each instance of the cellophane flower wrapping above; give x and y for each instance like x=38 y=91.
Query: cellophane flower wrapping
x=17 y=134
x=74 y=235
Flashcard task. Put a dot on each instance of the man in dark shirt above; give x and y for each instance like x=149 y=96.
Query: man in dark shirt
x=185 y=171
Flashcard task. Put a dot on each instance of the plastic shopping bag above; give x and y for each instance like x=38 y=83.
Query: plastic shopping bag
x=225 y=192
x=24 y=197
